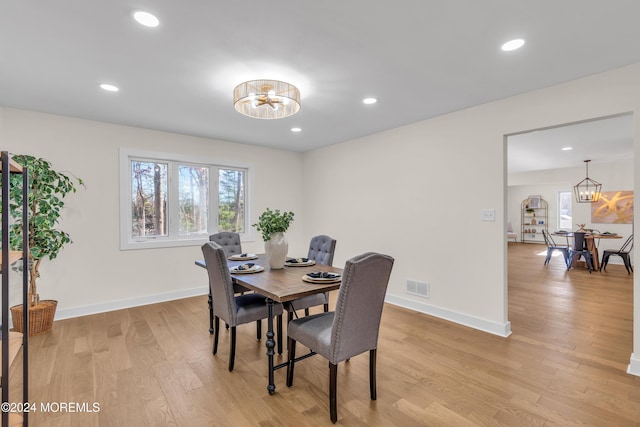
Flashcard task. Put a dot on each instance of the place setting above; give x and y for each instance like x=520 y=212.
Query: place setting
x=243 y=257
x=247 y=268
x=299 y=262
x=322 y=277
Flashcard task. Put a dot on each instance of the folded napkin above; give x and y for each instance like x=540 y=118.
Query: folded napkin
x=323 y=275
x=247 y=266
x=297 y=260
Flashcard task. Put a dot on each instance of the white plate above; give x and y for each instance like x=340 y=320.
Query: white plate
x=300 y=263
x=254 y=269
x=239 y=257
x=334 y=279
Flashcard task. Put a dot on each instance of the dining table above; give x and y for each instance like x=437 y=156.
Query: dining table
x=592 y=240
x=279 y=286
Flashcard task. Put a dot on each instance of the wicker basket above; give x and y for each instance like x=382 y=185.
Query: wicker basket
x=40 y=317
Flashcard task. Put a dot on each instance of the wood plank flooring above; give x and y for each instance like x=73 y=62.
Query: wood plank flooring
x=564 y=364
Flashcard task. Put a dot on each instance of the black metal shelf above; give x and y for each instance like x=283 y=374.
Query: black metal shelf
x=9 y=167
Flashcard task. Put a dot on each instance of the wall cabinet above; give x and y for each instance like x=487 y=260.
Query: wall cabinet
x=534 y=219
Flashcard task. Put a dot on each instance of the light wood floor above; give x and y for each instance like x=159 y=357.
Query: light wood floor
x=564 y=364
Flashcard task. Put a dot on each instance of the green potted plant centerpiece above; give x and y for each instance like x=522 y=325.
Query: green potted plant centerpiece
x=47 y=189
x=273 y=225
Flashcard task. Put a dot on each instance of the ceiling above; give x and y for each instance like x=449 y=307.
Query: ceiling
x=601 y=141
x=420 y=58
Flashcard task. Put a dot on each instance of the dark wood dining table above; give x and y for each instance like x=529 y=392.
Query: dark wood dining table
x=592 y=244
x=281 y=285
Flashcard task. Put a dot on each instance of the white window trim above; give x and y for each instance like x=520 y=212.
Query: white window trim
x=128 y=243
x=558 y=210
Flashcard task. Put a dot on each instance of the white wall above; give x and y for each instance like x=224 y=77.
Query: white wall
x=417 y=193
x=92 y=274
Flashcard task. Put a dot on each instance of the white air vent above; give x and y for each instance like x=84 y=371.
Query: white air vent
x=420 y=289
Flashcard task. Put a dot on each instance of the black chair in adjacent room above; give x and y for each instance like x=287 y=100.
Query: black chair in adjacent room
x=234 y=310
x=580 y=249
x=553 y=246
x=623 y=252
x=350 y=330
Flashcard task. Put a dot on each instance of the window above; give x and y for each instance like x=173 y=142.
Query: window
x=564 y=210
x=173 y=200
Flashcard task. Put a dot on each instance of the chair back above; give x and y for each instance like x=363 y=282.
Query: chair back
x=359 y=306
x=321 y=249
x=628 y=245
x=229 y=241
x=547 y=238
x=220 y=283
x=579 y=241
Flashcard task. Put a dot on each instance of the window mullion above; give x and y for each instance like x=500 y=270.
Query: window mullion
x=172 y=201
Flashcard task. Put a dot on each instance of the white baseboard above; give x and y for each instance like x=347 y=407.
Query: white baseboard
x=500 y=329
x=634 y=365
x=67 y=313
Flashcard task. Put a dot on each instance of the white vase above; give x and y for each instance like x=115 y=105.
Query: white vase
x=276 y=250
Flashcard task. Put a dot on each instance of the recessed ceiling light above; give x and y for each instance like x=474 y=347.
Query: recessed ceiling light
x=370 y=100
x=513 y=45
x=567 y=148
x=145 y=18
x=296 y=129
x=109 y=88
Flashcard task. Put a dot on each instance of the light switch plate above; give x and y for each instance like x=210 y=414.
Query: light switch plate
x=488 y=214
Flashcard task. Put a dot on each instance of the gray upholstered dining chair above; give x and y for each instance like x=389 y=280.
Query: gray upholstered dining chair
x=350 y=330
x=234 y=310
x=229 y=241
x=321 y=250
x=231 y=244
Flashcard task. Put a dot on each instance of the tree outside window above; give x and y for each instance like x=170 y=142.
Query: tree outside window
x=169 y=202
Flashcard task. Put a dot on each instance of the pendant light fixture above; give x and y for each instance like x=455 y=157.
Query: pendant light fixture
x=587 y=190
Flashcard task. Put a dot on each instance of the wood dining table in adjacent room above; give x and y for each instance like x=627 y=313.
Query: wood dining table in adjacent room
x=281 y=285
x=592 y=243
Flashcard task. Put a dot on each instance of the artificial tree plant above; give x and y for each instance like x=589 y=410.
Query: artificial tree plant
x=47 y=189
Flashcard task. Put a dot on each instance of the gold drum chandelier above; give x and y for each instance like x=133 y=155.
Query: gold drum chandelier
x=587 y=190
x=266 y=99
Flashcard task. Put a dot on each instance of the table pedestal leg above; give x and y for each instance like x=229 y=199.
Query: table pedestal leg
x=271 y=387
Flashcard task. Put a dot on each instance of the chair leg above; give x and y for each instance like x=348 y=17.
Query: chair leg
x=210 y=300
x=232 y=350
x=279 y=333
x=372 y=374
x=326 y=308
x=603 y=264
x=306 y=311
x=259 y=329
x=216 y=327
x=291 y=349
x=546 y=260
x=333 y=398
x=627 y=263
